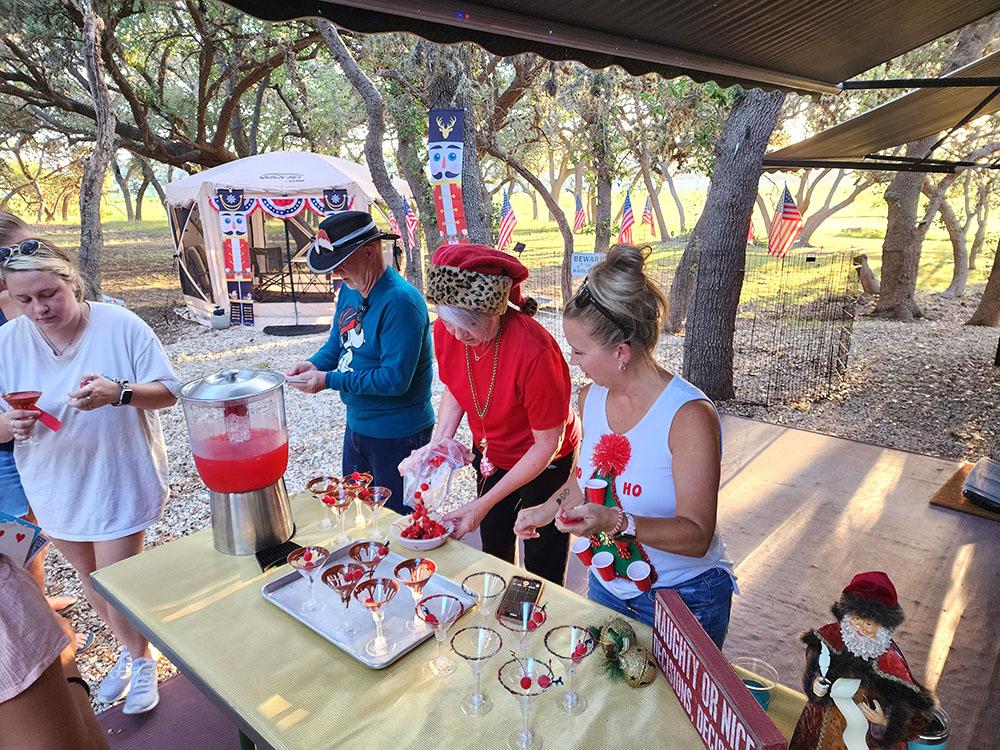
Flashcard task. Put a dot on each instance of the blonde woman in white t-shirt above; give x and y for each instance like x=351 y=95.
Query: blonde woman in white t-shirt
x=101 y=480
x=667 y=453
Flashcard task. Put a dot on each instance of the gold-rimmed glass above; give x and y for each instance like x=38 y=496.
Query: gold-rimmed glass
x=530 y=619
x=477 y=645
x=439 y=611
x=571 y=644
x=525 y=678
x=486 y=588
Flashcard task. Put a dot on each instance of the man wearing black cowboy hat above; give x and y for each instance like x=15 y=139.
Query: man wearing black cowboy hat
x=378 y=355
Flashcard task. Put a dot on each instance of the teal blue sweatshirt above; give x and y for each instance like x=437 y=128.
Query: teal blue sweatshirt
x=379 y=358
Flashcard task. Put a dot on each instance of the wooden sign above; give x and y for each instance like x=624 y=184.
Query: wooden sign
x=721 y=708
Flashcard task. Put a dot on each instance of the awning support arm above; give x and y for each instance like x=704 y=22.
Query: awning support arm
x=972 y=113
x=922 y=83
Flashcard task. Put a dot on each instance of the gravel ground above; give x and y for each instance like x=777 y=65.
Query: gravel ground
x=927 y=387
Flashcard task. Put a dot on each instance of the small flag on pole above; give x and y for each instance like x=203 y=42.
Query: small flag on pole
x=507 y=222
x=625 y=233
x=581 y=218
x=750 y=231
x=411 y=223
x=785 y=226
x=393 y=224
x=647 y=216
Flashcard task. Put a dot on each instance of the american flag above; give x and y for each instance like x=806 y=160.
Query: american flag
x=412 y=222
x=750 y=231
x=507 y=222
x=625 y=233
x=785 y=226
x=393 y=224
x=581 y=218
x=647 y=216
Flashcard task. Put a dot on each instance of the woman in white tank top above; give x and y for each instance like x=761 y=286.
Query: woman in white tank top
x=655 y=440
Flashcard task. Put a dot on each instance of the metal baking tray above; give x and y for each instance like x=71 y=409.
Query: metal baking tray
x=289 y=591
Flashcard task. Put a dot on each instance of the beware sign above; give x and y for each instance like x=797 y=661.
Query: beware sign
x=582 y=262
x=719 y=705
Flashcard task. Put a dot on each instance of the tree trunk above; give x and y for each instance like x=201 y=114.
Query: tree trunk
x=988 y=311
x=982 y=215
x=123 y=186
x=64 y=210
x=149 y=174
x=551 y=202
x=901 y=248
x=869 y=284
x=651 y=191
x=765 y=213
x=683 y=282
x=375 y=110
x=597 y=123
x=139 y=196
x=682 y=228
x=96 y=165
x=708 y=343
x=959 y=250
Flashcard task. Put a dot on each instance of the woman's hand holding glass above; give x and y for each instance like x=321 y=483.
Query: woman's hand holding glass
x=20 y=422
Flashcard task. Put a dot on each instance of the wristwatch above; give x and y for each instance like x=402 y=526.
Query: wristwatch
x=627 y=532
x=125 y=397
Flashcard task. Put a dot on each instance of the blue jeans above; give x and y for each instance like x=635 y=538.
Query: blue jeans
x=708 y=596
x=12 y=499
x=380 y=457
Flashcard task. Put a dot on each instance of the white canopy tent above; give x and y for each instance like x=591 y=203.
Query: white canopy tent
x=291 y=187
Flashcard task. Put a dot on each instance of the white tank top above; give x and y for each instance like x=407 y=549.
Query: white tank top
x=646 y=487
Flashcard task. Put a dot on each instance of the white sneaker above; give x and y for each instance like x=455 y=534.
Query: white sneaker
x=143 y=694
x=115 y=683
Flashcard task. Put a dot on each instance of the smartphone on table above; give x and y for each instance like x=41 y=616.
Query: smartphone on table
x=519 y=591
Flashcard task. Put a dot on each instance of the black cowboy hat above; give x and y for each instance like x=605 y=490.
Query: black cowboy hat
x=339 y=236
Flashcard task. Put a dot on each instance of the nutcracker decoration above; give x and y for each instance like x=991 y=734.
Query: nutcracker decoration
x=861 y=692
x=234 y=211
x=445 y=151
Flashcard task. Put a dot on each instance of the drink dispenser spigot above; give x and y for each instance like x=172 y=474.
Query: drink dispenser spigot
x=239 y=438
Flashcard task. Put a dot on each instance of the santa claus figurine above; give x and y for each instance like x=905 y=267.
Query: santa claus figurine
x=860 y=689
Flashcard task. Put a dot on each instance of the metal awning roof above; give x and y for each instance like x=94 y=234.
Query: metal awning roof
x=908 y=118
x=803 y=45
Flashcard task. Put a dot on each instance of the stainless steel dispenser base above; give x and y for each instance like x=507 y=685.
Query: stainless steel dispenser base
x=246 y=522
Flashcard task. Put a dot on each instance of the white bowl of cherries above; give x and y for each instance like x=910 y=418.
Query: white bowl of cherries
x=419 y=531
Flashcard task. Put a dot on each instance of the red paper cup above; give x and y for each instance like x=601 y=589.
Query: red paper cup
x=638 y=572
x=581 y=548
x=604 y=563
x=596 y=489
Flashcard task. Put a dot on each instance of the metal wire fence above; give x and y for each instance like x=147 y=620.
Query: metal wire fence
x=793 y=324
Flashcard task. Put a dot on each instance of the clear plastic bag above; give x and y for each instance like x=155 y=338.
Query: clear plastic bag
x=431 y=483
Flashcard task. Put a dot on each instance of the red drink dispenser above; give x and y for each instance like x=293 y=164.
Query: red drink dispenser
x=239 y=438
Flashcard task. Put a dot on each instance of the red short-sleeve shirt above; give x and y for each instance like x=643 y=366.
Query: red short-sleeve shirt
x=532 y=389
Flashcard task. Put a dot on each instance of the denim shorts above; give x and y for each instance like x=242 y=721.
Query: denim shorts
x=12 y=499
x=708 y=596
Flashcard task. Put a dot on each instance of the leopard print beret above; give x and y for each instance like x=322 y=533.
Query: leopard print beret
x=469 y=290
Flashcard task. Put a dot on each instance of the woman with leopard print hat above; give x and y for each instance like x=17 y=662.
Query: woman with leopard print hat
x=503 y=371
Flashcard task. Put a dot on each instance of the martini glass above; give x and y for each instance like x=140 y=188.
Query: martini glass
x=355 y=482
x=477 y=645
x=308 y=561
x=531 y=618
x=340 y=501
x=525 y=678
x=414 y=574
x=439 y=611
x=486 y=587
x=323 y=487
x=344 y=578
x=571 y=644
x=374 y=498
x=369 y=554
x=375 y=593
x=23 y=400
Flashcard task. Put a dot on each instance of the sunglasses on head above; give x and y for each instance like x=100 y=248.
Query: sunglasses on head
x=28 y=247
x=584 y=298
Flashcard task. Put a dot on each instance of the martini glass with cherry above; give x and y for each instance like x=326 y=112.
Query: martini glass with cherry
x=344 y=578
x=308 y=561
x=571 y=644
x=528 y=621
x=439 y=611
x=374 y=498
x=23 y=401
x=369 y=554
x=414 y=574
x=326 y=489
x=526 y=678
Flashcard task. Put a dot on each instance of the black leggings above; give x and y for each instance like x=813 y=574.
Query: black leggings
x=544 y=556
